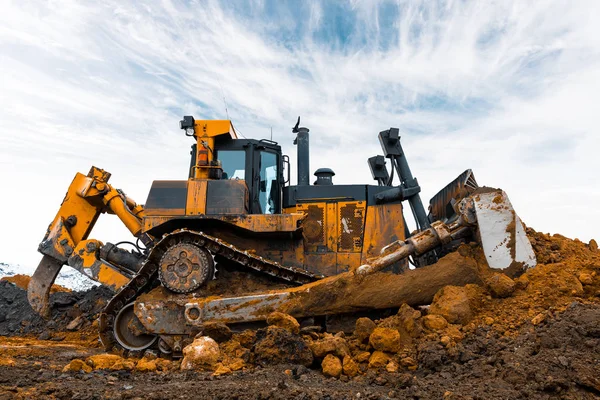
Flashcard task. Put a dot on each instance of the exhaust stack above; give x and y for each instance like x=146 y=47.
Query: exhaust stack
x=302 y=141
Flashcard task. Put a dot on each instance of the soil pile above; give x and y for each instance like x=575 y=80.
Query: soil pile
x=535 y=336
x=71 y=311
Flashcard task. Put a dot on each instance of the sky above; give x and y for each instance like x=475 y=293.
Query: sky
x=507 y=88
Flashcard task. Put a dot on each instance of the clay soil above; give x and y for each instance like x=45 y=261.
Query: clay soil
x=537 y=336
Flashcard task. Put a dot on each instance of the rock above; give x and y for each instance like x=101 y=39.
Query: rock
x=522 y=282
x=364 y=328
x=275 y=345
x=222 y=370
x=103 y=361
x=7 y=362
x=284 y=321
x=538 y=319
x=44 y=335
x=500 y=285
x=202 y=353
x=392 y=367
x=445 y=340
x=409 y=362
x=349 y=367
x=123 y=365
x=217 y=331
x=488 y=321
x=385 y=339
x=75 y=324
x=146 y=365
x=236 y=364
x=331 y=366
x=363 y=357
x=378 y=359
x=77 y=365
x=435 y=322
x=452 y=303
x=409 y=318
x=585 y=278
x=593 y=245
x=330 y=345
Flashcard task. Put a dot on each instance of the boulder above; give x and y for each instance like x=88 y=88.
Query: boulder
x=202 y=353
x=385 y=339
x=332 y=366
x=284 y=321
x=452 y=303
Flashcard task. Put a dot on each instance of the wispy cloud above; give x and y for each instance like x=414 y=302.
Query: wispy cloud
x=507 y=88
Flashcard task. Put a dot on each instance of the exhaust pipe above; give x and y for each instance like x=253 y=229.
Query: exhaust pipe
x=302 y=141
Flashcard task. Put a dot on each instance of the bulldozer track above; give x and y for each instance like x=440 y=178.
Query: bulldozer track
x=147 y=275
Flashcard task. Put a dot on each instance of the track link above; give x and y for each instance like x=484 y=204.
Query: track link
x=147 y=276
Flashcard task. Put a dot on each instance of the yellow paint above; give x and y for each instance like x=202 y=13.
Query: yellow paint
x=196 y=197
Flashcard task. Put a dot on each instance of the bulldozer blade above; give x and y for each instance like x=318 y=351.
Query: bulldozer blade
x=38 y=291
x=501 y=233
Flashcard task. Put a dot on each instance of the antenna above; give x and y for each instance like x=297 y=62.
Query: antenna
x=223 y=94
x=271 y=133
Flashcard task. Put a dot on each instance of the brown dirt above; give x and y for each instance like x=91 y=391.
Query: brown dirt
x=541 y=341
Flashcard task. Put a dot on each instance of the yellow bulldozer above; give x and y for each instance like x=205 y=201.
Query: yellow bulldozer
x=237 y=209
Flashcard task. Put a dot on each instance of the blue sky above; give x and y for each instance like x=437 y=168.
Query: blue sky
x=508 y=88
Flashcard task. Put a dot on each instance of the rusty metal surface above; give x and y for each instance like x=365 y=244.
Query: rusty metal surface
x=38 y=291
x=184 y=267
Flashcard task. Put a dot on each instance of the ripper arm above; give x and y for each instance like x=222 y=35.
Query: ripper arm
x=66 y=240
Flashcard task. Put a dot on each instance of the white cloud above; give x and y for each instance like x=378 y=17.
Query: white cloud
x=508 y=88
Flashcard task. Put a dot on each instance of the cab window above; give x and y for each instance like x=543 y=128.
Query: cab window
x=268 y=196
x=233 y=163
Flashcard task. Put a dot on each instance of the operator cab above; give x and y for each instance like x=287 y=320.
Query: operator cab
x=258 y=162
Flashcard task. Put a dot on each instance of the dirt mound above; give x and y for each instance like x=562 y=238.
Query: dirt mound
x=70 y=311
x=534 y=336
x=22 y=281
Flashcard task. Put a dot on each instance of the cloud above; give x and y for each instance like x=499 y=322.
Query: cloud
x=508 y=88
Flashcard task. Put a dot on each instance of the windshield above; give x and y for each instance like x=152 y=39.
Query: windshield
x=233 y=163
x=268 y=182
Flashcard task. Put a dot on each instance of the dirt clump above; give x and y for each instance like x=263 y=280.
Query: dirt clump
x=385 y=339
x=331 y=366
x=284 y=321
x=435 y=322
x=500 y=285
x=364 y=328
x=452 y=303
x=275 y=345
